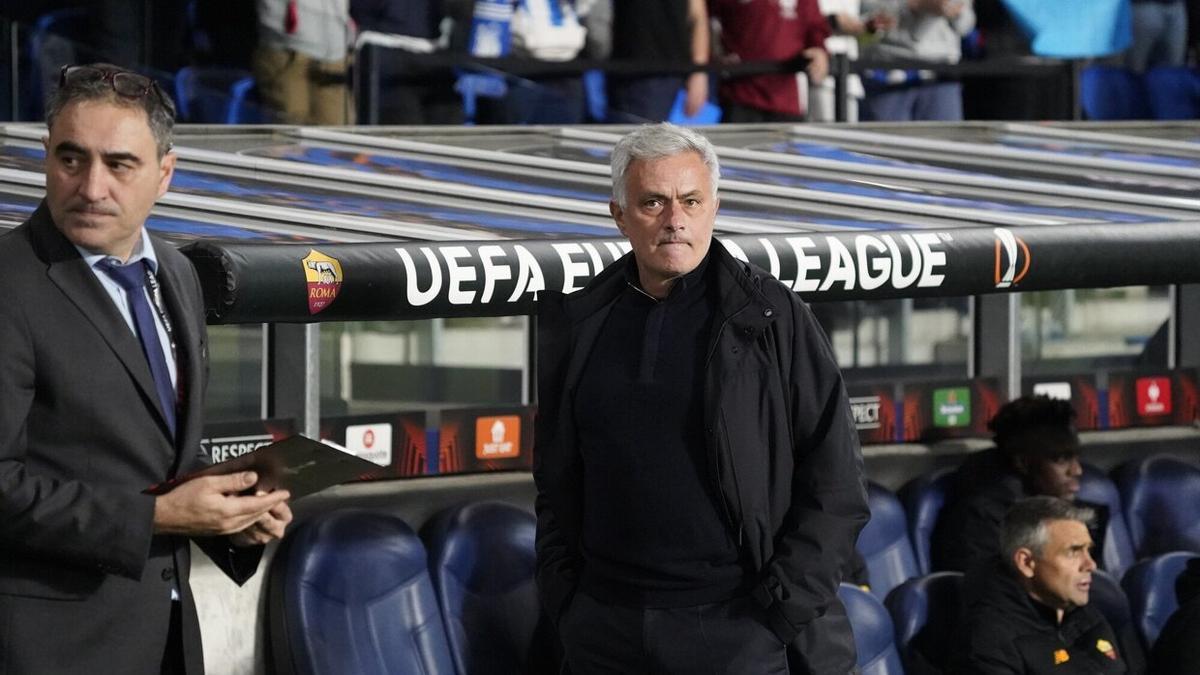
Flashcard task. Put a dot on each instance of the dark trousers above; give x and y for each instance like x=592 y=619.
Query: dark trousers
x=641 y=100
x=722 y=637
x=172 y=663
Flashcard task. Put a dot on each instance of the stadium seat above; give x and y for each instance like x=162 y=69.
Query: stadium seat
x=212 y=95
x=1173 y=93
x=1112 y=93
x=482 y=559
x=874 y=635
x=1150 y=587
x=54 y=40
x=1161 y=497
x=884 y=542
x=1117 y=552
x=350 y=593
x=926 y=612
x=1107 y=596
x=923 y=498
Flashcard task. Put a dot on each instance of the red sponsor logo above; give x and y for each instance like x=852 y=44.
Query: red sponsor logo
x=1153 y=396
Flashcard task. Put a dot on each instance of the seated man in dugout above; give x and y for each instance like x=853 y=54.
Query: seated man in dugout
x=1036 y=454
x=1026 y=610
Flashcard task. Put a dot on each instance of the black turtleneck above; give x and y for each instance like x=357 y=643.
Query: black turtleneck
x=653 y=532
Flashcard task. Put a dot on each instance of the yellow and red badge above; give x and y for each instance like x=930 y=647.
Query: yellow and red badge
x=1105 y=647
x=1061 y=656
x=324 y=277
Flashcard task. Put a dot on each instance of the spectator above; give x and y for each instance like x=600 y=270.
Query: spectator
x=409 y=94
x=848 y=25
x=301 y=60
x=667 y=31
x=1159 y=35
x=769 y=30
x=926 y=30
x=1026 y=610
x=1177 y=649
x=1036 y=453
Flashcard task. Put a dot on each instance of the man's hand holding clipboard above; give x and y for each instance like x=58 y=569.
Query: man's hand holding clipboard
x=246 y=497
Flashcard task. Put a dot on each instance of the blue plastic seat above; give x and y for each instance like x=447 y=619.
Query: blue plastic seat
x=1117 y=553
x=350 y=593
x=1161 y=498
x=1173 y=93
x=1150 y=587
x=923 y=498
x=55 y=40
x=874 y=635
x=213 y=95
x=1107 y=596
x=884 y=542
x=1112 y=93
x=482 y=559
x=926 y=612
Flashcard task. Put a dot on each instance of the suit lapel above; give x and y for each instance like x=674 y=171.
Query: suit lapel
x=70 y=273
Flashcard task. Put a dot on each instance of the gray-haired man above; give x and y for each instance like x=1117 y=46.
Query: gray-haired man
x=1027 y=610
x=699 y=477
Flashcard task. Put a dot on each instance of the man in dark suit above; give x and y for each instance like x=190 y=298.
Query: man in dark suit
x=103 y=367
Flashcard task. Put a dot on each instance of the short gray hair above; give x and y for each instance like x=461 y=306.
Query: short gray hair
x=656 y=141
x=1025 y=524
x=156 y=103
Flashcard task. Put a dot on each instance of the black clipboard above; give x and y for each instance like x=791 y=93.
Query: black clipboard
x=297 y=464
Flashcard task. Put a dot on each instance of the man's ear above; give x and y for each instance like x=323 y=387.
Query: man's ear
x=618 y=214
x=1025 y=562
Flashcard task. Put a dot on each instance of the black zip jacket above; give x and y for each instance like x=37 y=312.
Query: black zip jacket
x=781 y=444
x=1006 y=632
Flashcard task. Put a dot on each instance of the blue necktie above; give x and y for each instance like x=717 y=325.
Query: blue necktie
x=132 y=278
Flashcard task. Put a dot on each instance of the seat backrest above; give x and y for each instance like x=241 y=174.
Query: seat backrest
x=350 y=593
x=1107 y=596
x=926 y=612
x=56 y=38
x=1112 y=93
x=209 y=94
x=1116 y=554
x=1150 y=587
x=923 y=498
x=482 y=560
x=884 y=542
x=1161 y=497
x=874 y=635
x=1173 y=93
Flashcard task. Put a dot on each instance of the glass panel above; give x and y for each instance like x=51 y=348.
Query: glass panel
x=381 y=366
x=235 y=360
x=1094 y=329
x=889 y=339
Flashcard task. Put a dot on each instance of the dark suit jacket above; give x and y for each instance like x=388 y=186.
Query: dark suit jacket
x=85 y=586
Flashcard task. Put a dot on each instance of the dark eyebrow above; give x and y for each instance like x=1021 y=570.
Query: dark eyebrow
x=72 y=147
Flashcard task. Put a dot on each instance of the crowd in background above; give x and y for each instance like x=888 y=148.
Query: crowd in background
x=301 y=53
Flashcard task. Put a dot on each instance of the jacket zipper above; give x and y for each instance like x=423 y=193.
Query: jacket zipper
x=735 y=523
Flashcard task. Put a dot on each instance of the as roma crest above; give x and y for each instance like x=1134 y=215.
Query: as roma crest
x=324 y=275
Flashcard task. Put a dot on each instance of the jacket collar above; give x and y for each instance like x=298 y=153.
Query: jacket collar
x=70 y=272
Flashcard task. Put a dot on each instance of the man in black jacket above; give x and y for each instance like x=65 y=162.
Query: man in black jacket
x=1036 y=454
x=1026 y=610
x=698 y=471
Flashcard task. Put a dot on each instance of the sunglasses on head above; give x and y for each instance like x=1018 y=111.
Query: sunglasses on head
x=125 y=83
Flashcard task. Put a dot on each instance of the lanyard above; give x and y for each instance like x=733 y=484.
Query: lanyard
x=159 y=309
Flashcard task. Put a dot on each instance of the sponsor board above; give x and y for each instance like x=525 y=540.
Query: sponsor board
x=485 y=439
x=952 y=407
x=1056 y=390
x=1080 y=390
x=223 y=441
x=1153 y=396
x=955 y=409
x=393 y=440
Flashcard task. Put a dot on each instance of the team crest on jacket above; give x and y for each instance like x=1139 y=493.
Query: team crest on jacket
x=1105 y=647
x=324 y=276
x=1061 y=656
